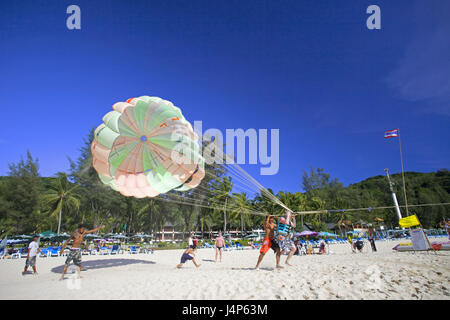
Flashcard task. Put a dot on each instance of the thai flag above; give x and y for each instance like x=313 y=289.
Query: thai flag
x=391 y=133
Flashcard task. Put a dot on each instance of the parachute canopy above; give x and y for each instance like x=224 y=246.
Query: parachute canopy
x=145 y=147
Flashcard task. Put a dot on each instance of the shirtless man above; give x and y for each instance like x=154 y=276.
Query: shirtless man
x=269 y=242
x=219 y=244
x=75 y=251
x=188 y=254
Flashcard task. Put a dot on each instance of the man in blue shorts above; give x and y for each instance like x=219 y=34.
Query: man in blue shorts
x=188 y=254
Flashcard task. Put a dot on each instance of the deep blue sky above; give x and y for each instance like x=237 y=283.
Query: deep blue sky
x=309 y=68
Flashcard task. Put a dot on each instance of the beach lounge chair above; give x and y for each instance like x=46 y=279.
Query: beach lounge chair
x=115 y=249
x=22 y=253
x=104 y=251
x=134 y=250
x=54 y=252
x=44 y=252
x=148 y=250
x=239 y=246
x=15 y=255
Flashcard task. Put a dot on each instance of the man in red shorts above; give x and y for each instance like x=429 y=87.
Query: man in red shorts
x=269 y=242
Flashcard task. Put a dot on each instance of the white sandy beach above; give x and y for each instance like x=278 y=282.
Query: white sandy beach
x=385 y=274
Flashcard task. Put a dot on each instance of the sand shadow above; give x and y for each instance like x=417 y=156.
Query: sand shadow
x=106 y=263
x=28 y=272
x=208 y=260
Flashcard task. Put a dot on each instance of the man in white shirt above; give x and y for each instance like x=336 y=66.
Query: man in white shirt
x=190 y=240
x=33 y=250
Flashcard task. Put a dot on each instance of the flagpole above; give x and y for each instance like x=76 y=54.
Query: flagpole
x=394 y=197
x=403 y=174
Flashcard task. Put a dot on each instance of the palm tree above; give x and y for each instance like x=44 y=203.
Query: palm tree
x=151 y=207
x=60 y=194
x=222 y=190
x=240 y=207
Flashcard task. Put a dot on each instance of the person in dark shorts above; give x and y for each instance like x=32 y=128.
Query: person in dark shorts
x=75 y=251
x=269 y=242
x=188 y=254
x=219 y=244
x=33 y=250
x=359 y=244
x=275 y=246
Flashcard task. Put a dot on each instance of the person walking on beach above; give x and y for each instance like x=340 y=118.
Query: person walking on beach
x=33 y=250
x=191 y=240
x=75 y=251
x=195 y=241
x=322 y=247
x=188 y=254
x=269 y=242
x=372 y=240
x=352 y=245
x=219 y=244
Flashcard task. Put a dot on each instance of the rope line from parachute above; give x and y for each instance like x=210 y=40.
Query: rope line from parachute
x=240 y=181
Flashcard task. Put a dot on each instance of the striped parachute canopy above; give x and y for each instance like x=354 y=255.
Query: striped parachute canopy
x=145 y=147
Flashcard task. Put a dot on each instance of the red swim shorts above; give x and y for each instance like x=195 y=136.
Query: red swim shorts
x=266 y=245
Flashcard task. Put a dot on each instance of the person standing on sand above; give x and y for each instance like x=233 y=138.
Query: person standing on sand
x=75 y=251
x=190 y=240
x=372 y=240
x=219 y=244
x=188 y=254
x=269 y=242
x=350 y=240
x=33 y=250
x=195 y=241
x=285 y=239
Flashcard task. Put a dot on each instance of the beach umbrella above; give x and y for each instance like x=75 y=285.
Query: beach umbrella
x=15 y=241
x=22 y=236
x=117 y=236
x=47 y=234
x=92 y=235
x=59 y=237
x=62 y=235
x=327 y=234
x=141 y=236
x=306 y=233
x=146 y=147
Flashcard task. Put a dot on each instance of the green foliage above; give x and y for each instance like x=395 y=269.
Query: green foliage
x=20 y=197
x=30 y=203
x=60 y=195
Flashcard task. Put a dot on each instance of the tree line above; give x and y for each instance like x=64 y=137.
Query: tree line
x=30 y=203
